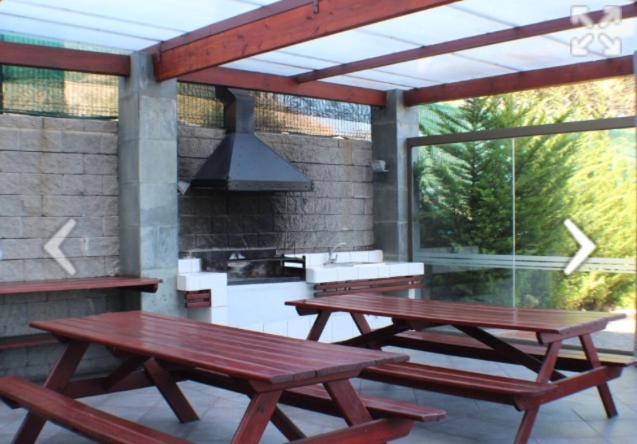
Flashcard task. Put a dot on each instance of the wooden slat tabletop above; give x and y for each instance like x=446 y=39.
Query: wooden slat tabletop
x=231 y=351
x=451 y=313
x=95 y=283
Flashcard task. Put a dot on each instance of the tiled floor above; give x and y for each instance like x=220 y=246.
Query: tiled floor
x=576 y=419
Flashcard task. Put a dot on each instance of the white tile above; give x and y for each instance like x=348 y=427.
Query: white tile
x=346 y=273
x=343 y=256
x=383 y=271
x=300 y=327
x=359 y=256
x=375 y=255
x=321 y=274
x=189 y=265
x=416 y=268
x=276 y=328
x=220 y=315
x=368 y=271
x=399 y=269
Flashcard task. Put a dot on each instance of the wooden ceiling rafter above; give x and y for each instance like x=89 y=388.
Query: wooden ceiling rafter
x=521 y=81
x=296 y=22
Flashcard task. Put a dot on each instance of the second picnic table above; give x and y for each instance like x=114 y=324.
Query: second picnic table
x=411 y=316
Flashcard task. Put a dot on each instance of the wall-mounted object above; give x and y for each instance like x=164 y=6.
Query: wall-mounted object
x=379 y=166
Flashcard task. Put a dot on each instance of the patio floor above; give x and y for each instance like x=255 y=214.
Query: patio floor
x=579 y=418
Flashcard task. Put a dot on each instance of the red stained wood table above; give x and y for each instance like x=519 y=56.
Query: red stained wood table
x=155 y=348
x=411 y=317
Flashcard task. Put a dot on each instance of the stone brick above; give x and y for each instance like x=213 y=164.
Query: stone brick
x=98 y=164
x=10 y=183
x=19 y=162
x=11 y=271
x=362 y=157
x=9 y=139
x=81 y=142
x=57 y=163
x=102 y=246
x=110 y=225
x=63 y=124
x=41 y=141
x=362 y=190
x=21 y=205
x=72 y=185
x=23 y=248
x=19 y=121
x=110 y=185
x=108 y=144
x=100 y=126
x=45 y=227
x=10 y=227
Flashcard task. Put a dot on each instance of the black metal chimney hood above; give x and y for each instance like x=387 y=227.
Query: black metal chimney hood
x=242 y=162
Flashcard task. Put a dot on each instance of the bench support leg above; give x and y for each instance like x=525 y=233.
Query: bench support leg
x=318 y=326
x=57 y=380
x=256 y=418
x=603 y=389
x=170 y=391
x=524 y=431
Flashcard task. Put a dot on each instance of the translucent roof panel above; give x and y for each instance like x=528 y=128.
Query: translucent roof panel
x=128 y=25
x=523 y=12
x=131 y=25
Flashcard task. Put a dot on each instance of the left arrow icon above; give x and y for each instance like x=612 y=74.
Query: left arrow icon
x=53 y=247
x=586 y=247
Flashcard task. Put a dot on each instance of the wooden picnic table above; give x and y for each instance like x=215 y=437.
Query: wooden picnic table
x=265 y=365
x=411 y=317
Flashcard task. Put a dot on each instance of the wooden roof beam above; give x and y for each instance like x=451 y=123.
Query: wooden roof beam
x=507 y=83
x=284 y=85
x=476 y=41
x=49 y=57
x=282 y=24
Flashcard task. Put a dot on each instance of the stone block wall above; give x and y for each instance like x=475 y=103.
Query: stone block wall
x=340 y=209
x=53 y=170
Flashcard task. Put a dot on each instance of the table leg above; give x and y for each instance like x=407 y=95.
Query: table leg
x=524 y=431
x=256 y=418
x=603 y=389
x=318 y=326
x=57 y=380
x=348 y=402
x=361 y=322
x=286 y=426
x=170 y=391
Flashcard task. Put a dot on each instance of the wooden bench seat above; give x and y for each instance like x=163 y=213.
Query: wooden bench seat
x=78 y=417
x=518 y=392
x=376 y=432
x=27 y=341
x=465 y=346
x=317 y=398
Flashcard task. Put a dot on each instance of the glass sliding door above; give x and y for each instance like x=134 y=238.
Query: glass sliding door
x=488 y=222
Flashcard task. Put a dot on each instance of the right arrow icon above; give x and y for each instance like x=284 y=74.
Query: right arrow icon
x=586 y=247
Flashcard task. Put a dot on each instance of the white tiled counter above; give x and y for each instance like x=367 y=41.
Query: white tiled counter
x=261 y=307
x=355 y=265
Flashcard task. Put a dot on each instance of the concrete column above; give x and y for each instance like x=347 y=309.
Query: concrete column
x=391 y=126
x=148 y=184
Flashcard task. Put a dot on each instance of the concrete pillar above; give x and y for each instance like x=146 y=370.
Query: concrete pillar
x=391 y=126
x=148 y=184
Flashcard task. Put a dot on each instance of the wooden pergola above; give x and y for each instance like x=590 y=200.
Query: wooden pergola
x=199 y=56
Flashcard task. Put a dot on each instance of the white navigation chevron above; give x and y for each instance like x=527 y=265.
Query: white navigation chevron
x=53 y=247
x=586 y=247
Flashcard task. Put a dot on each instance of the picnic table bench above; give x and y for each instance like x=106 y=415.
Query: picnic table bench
x=410 y=317
x=159 y=351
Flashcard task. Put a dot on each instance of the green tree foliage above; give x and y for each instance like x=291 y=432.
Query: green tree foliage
x=465 y=199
